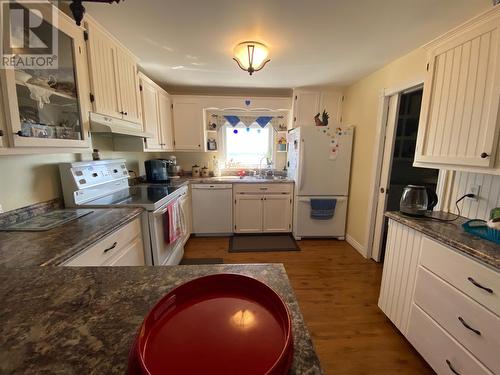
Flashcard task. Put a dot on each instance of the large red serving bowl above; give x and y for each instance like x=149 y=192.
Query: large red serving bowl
x=216 y=324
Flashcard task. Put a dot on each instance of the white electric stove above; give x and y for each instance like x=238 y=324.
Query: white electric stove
x=104 y=183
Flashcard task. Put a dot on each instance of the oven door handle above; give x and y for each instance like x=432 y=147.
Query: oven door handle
x=162 y=211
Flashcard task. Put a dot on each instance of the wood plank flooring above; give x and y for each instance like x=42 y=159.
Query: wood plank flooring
x=337 y=290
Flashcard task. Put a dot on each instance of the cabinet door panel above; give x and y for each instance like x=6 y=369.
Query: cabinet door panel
x=398 y=277
x=128 y=85
x=305 y=107
x=248 y=213
x=277 y=213
x=132 y=255
x=151 y=121
x=332 y=103
x=460 y=101
x=188 y=125
x=165 y=109
x=103 y=72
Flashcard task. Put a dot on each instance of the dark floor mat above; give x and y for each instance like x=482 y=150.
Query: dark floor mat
x=262 y=243
x=199 y=261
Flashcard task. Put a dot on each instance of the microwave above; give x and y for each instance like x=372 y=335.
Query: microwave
x=156 y=170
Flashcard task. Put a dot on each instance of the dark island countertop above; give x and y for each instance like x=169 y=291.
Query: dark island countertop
x=452 y=234
x=83 y=320
x=57 y=245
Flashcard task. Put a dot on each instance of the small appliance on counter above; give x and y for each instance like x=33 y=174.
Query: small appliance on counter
x=173 y=169
x=157 y=170
x=417 y=200
x=196 y=170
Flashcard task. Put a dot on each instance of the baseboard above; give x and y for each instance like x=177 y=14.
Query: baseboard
x=360 y=248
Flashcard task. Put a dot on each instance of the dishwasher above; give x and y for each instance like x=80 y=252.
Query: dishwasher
x=212 y=208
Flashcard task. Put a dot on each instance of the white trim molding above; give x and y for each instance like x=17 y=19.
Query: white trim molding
x=360 y=248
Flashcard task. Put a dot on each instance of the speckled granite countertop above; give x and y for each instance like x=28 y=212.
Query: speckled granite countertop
x=55 y=246
x=83 y=320
x=452 y=234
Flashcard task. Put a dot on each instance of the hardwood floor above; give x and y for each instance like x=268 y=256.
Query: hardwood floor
x=337 y=290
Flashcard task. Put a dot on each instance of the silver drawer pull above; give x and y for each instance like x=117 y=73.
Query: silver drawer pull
x=475 y=283
x=111 y=247
x=262 y=188
x=477 y=332
x=451 y=368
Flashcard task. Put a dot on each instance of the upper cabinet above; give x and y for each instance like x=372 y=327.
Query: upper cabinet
x=459 y=116
x=157 y=115
x=48 y=107
x=188 y=124
x=307 y=104
x=113 y=76
x=151 y=118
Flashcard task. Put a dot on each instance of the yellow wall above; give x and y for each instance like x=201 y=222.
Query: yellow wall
x=361 y=110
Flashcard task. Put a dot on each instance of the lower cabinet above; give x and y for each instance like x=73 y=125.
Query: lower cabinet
x=248 y=211
x=262 y=209
x=445 y=303
x=124 y=247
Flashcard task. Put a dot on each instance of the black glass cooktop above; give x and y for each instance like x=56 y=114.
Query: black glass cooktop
x=147 y=196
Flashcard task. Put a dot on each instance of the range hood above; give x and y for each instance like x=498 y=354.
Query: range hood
x=108 y=124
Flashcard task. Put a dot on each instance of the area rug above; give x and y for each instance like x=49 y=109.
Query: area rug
x=262 y=243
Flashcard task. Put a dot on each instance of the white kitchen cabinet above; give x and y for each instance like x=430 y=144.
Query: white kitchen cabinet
x=123 y=247
x=48 y=108
x=150 y=114
x=305 y=107
x=331 y=102
x=248 y=209
x=277 y=213
x=113 y=76
x=262 y=208
x=165 y=113
x=128 y=83
x=459 y=116
x=188 y=124
x=445 y=303
x=307 y=104
x=398 y=277
x=103 y=71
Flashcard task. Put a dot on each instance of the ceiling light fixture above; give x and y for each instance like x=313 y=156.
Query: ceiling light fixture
x=251 y=56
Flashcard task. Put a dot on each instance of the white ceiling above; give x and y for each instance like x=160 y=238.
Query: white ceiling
x=312 y=42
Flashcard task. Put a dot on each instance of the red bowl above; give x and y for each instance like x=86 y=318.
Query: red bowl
x=216 y=324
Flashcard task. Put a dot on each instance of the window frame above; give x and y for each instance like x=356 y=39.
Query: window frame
x=271 y=149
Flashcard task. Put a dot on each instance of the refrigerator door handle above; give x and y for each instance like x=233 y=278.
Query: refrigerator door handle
x=301 y=164
x=339 y=199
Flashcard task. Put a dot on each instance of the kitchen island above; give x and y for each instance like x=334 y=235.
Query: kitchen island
x=83 y=320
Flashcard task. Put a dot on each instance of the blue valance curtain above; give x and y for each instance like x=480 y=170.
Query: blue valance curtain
x=247 y=121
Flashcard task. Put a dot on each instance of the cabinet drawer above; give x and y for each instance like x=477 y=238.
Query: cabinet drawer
x=263 y=188
x=477 y=281
x=459 y=315
x=131 y=255
x=109 y=247
x=439 y=349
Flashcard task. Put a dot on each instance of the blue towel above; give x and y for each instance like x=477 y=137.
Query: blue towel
x=323 y=209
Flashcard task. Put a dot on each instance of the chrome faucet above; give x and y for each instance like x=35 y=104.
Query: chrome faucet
x=268 y=162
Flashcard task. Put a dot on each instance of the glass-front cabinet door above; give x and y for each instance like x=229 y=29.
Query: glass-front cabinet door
x=47 y=105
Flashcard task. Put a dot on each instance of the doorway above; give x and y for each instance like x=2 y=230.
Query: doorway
x=397 y=171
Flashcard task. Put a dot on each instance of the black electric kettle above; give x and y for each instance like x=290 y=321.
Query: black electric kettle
x=417 y=200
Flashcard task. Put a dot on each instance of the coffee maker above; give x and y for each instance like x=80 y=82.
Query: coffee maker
x=157 y=170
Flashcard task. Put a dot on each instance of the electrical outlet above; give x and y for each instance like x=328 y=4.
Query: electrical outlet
x=476 y=190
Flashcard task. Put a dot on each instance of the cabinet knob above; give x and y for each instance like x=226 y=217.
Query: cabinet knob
x=125 y=113
x=484 y=155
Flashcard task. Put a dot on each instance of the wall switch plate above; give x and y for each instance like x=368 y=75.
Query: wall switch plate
x=476 y=190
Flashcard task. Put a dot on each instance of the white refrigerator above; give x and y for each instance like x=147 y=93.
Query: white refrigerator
x=319 y=161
